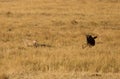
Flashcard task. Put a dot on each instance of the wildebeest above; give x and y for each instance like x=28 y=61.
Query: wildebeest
x=90 y=40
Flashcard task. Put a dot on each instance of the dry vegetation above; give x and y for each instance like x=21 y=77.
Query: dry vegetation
x=59 y=28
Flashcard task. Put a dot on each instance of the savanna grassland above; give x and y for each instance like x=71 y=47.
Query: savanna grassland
x=58 y=27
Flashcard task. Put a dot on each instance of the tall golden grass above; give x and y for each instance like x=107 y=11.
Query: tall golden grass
x=62 y=25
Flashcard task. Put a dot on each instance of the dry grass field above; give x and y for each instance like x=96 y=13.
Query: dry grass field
x=42 y=39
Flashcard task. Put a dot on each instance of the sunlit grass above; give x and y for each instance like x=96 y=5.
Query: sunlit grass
x=59 y=28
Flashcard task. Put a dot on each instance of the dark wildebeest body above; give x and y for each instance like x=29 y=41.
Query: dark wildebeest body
x=90 y=40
